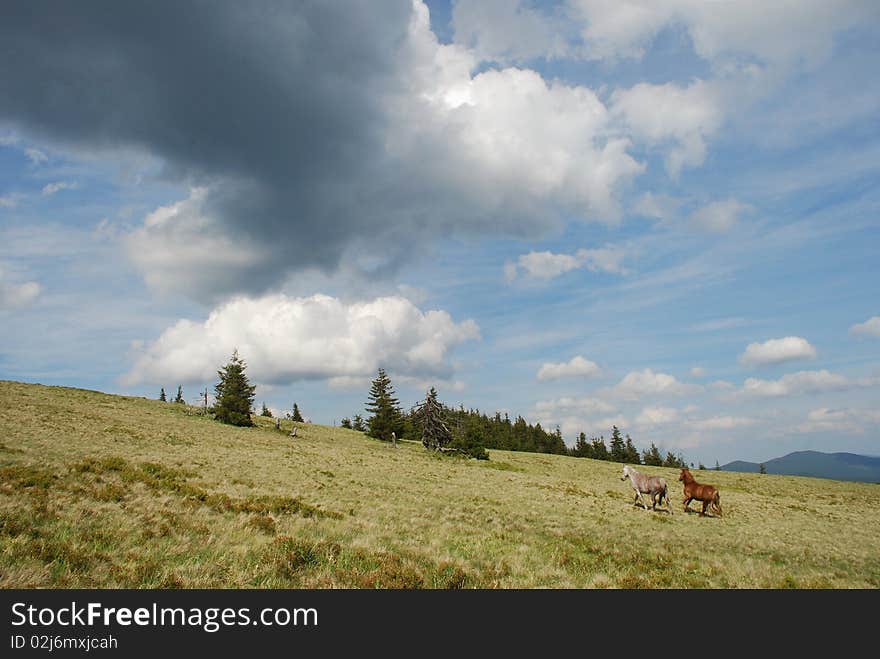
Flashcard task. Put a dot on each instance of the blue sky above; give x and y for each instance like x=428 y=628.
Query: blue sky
x=657 y=215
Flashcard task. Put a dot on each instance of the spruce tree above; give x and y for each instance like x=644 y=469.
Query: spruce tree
x=652 y=456
x=357 y=423
x=235 y=395
x=384 y=408
x=345 y=423
x=162 y=396
x=296 y=416
x=618 y=448
x=179 y=397
x=632 y=453
x=265 y=411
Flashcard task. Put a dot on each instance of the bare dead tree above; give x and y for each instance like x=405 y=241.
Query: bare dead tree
x=431 y=417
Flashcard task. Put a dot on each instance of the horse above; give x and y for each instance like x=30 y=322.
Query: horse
x=705 y=493
x=644 y=484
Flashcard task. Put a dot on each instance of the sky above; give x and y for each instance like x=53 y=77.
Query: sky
x=656 y=215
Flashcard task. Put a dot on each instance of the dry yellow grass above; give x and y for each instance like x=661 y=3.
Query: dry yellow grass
x=107 y=491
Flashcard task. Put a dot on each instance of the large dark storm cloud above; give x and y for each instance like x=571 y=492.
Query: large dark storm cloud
x=288 y=119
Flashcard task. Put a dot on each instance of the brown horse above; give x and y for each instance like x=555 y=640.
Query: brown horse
x=705 y=493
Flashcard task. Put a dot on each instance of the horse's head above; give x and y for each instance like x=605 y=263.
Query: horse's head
x=684 y=475
x=625 y=473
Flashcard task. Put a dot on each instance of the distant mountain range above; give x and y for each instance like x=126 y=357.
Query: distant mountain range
x=837 y=466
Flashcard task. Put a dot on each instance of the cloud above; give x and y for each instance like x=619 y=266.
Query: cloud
x=776 y=351
x=8 y=201
x=780 y=34
x=842 y=420
x=683 y=117
x=658 y=206
x=657 y=416
x=577 y=366
x=340 y=136
x=51 y=188
x=638 y=384
x=870 y=327
x=802 y=382
x=285 y=339
x=719 y=216
x=547 y=265
x=720 y=422
x=588 y=406
x=698 y=371
x=15 y=295
x=36 y=156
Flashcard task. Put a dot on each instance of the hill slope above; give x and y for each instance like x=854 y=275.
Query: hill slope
x=107 y=491
x=839 y=466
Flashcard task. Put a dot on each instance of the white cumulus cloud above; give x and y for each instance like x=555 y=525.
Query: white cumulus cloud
x=776 y=351
x=657 y=416
x=577 y=366
x=15 y=295
x=870 y=327
x=802 y=382
x=637 y=384
x=548 y=265
x=284 y=339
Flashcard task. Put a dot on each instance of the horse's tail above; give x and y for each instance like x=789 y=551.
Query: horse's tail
x=666 y=494
x=716 y=501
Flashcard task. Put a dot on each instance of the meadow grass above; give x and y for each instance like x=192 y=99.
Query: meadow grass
x=109 y=491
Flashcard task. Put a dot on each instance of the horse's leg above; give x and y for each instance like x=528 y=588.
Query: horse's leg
x=703 y=511
x=642 y=500
x=687 y=501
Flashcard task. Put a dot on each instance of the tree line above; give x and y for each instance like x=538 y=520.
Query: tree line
x=437 y=425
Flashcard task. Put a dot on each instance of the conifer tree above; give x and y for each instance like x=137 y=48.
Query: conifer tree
x=235 y=395
x=179 y=397
x=266 y=411
x=652 y=456
x=430 y=419
x=632 y=453
x=345 y=423
x=598 y=449
x=384 y=408
x=357 y=423
x=296 y=416
x=162 y=396
x=618 y=448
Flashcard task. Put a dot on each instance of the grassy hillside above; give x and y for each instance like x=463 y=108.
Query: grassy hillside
x=106 y=491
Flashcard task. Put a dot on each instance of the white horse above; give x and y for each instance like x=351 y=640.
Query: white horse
x=644 y=484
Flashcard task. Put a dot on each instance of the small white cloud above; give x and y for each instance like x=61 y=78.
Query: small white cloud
x=719 y=216
x=577 y=366
x=776 y=351
x=698 y=371
x=8 y=202
x=722 y=385
x=802 y=382
x=637 y=384
x=581 y=406
x=658 y=206
x=870 y=327
x=721 y=422
x=15 y=295
x=36 y=156
x=844 y=420
x=657 y=416
x=547 y=265
x=51 y=188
